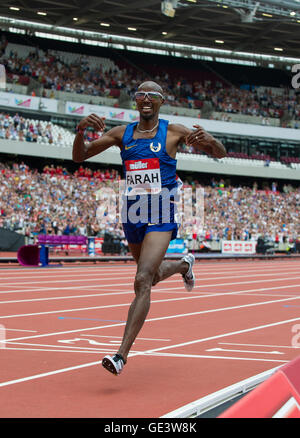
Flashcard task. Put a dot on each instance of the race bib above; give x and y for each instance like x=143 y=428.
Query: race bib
x=142 y=176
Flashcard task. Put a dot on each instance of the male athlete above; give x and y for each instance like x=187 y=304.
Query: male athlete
x=148 y=150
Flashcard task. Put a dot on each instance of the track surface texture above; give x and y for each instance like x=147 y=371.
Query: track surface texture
x=57 y=323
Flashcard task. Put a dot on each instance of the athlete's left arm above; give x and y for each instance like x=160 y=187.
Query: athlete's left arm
x=201 y=140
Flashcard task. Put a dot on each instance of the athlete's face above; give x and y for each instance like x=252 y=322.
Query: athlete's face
x=149 y=100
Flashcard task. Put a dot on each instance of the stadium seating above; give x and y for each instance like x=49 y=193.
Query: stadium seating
x=56 y=205
x=56 y=136
x=62 y=72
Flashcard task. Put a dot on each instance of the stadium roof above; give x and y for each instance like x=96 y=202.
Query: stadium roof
x=269 y=27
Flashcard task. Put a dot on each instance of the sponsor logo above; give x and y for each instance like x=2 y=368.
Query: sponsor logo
x=129 y=147
x=138 y=165
x=76 y=110
x=119 y=116
x=155 y=148
x=25 y=103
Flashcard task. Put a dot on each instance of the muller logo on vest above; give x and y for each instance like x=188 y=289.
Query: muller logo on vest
x=143 y=176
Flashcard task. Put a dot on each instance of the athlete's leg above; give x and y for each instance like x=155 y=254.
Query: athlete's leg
x=169 y=268
x=152 y=252
x=166 y=268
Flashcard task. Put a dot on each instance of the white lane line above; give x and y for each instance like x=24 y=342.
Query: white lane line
x=20 y=330
x=130 y=284
x=155 y=350
x=65 y=297
x=59 y=347
x=66 y=348
x=202 y=278
x=242 y=294
x=98 y=273
x=163 y=301
x=171 y=290
x=47 y=374
x=56 y=351
x=75 y=279
x=121 y=337
x=96 y=347
x=49 y=289
x=199 y=263
x=59 y=269
x=60 y=281
x=260 y=345
x=245 y=351
x=149 y=320
x=104 y=351
x=206 y=356
x=223 y=335
x=200 y=268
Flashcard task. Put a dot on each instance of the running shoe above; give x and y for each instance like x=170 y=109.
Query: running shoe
x=189 y=277
x=114 y=364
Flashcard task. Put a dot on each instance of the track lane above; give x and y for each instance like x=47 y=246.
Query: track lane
x=170 y=367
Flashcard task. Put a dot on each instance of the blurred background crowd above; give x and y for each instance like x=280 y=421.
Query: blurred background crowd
x=57 y=201
x=55 y=73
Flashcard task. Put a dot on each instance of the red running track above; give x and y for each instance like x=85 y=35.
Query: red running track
x=58 y=323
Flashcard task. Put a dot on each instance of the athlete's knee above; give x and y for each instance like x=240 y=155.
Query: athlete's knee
x=143 y=281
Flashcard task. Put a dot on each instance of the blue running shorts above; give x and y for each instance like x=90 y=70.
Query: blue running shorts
x=135 y=233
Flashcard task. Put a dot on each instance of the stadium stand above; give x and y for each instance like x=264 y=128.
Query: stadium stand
x=57 y=201
x=51 y=204
x=34 y=130
x=233 y=211
x=19 y=128
x=199 y=93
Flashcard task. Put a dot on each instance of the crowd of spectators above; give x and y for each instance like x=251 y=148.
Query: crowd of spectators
x=244 y=213
x=54 y=73
x=83 y=172
x=58 y=201
x=53 y=201
x=17 y=127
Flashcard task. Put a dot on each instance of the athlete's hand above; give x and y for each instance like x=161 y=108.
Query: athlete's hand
x=92 y=120
x=199 y=137
x=203 y=141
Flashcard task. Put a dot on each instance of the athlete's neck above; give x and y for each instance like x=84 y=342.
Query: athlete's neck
x=147 y=125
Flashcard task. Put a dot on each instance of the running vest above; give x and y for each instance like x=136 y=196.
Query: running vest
x=147 y=165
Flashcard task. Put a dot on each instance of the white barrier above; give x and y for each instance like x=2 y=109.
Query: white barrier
x=110 y=113
x=22 y=101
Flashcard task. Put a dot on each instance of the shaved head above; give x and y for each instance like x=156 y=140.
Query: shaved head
x=150 y=85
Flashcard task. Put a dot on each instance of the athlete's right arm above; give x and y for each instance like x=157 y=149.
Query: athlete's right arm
x=83 y=151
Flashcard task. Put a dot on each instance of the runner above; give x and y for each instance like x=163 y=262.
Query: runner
x=148 y=151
